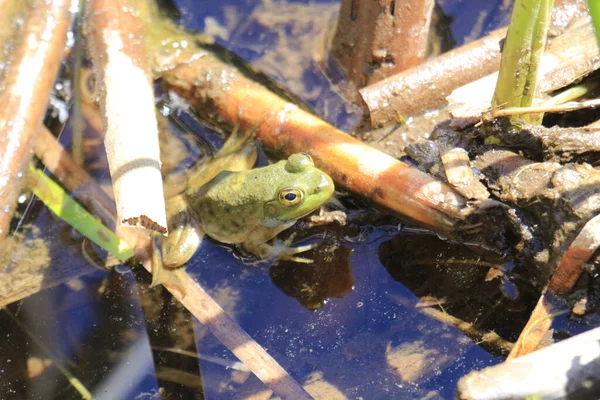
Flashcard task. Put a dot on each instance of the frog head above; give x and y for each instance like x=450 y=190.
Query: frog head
x=303 y=189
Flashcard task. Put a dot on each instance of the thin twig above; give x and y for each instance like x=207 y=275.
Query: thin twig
x=566 y=107
x=76 y=383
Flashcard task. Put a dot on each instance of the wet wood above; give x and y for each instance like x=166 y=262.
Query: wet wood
x=116 y=38
x=489 y=339
x=569 y=368
x=376 y=38
x=426 y=86
x=26 y=86
x=459 y=173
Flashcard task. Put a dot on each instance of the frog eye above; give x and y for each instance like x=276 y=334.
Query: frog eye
x=299 y=162
x=290 y=197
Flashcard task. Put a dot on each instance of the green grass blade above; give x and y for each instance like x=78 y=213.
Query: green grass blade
x=521 y=56
x=594 y=9
x=67 y=209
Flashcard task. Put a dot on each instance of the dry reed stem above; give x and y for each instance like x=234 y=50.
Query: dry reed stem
x=24 y=94
x=284 y=128
x=117 y=44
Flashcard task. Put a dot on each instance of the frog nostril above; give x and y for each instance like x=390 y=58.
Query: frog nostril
x=317 y=190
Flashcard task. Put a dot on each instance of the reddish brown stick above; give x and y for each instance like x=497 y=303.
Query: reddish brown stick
x=26 y=87
x=285 y=128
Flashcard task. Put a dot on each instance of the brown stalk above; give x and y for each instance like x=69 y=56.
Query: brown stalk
x=564 y=278
x=13 y=12
x=24 y=94
x=376 y=38
x=284 y=128
x=116 y=36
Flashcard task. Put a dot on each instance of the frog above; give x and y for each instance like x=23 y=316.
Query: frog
x=233 y=203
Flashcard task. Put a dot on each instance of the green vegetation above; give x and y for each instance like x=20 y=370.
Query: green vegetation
x=521 y=56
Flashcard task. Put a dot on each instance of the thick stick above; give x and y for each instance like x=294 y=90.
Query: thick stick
x=569 y=368
x=286 y=129
x=426 y=86
x=376 y=38
x=117 y=41
x=26 y=87
x=418 y=89
x=568 y=58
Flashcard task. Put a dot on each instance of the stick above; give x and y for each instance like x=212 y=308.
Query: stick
x=387 y=36
x=116 y=39
x=569 y=368
x=425 y=87
x=27 y=84
x=568 y=58
x=285 y=129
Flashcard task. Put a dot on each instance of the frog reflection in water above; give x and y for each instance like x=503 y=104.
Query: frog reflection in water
x=234 y=204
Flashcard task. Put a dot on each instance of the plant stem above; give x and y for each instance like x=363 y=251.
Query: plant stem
x=594 y=9
x=521 y=55
x=55 y=198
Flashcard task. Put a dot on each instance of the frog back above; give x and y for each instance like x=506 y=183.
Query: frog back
x=231 y=205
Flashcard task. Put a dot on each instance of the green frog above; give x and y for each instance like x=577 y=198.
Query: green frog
x=233 y=203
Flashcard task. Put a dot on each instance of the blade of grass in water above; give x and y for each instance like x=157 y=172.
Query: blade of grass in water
x=55 y=198
x=594 y=9
x=521 y=55
x=76 y=383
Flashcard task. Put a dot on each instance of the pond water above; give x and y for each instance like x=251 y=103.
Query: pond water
x=354 y=324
